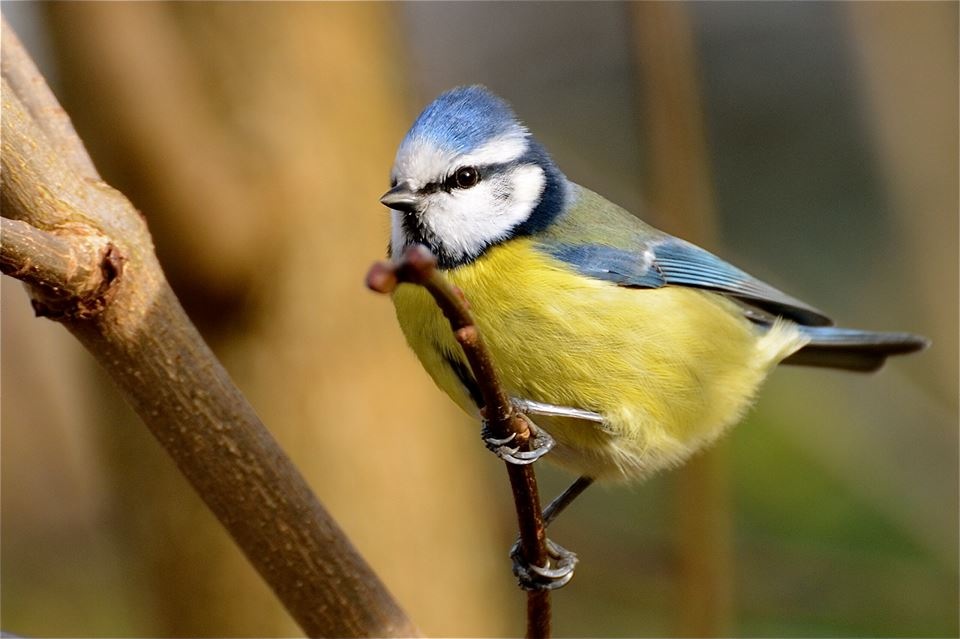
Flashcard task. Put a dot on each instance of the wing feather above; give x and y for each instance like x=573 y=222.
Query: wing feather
x=669 y=261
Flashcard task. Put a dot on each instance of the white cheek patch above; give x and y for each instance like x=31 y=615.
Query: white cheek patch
x=468 y=221
x=528 y=183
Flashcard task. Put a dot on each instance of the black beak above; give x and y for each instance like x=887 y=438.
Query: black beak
x=400 y=198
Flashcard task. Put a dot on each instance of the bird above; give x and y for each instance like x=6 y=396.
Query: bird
x=633 y=349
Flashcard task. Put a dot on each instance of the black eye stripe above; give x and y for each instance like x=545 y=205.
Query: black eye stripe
x=486 y=172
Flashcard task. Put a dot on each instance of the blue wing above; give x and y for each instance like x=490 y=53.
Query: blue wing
x=669 y=261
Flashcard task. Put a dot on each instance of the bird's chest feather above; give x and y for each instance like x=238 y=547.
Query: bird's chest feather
x=561 y=338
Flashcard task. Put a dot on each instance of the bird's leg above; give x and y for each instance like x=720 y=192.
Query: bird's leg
x=564 y=499
x=560 y=561
x=530 y=407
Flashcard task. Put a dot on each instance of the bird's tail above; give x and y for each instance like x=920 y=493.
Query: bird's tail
x=852 y=349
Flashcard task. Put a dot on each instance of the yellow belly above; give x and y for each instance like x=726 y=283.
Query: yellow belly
x=669 y=369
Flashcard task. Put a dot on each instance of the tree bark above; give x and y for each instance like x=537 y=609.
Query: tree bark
x=145 y=341
x=256 y=138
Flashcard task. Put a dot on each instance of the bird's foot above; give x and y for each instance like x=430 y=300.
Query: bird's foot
x=556 y=574
x=540 y=444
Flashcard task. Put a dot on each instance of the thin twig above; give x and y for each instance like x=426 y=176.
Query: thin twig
x=155 y=355
x=418 y=266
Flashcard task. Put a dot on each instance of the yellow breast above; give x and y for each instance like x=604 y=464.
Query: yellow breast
x=669 y=369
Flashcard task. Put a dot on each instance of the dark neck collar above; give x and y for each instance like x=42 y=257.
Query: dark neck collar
x=553 y=200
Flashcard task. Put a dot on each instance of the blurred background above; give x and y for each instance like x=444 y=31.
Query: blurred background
x=813 y=144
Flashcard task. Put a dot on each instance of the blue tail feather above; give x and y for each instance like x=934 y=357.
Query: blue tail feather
x=853 y=349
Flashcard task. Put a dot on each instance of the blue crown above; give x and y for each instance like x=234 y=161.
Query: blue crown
x=463 y=119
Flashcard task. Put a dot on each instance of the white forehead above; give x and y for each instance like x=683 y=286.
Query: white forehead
x=421 y=161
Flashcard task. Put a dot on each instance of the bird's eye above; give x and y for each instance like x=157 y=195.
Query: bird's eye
x=466 y=177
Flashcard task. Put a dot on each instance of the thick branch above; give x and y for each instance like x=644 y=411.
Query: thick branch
x=26 y=81
x=418 y=266
x=147 y=344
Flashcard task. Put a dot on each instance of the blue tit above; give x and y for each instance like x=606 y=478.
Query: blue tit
x=631 y=347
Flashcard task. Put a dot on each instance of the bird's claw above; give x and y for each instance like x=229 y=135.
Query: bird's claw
x=540 y=444
x=556 y=574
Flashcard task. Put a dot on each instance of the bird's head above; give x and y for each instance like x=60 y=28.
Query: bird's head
x=467 y=176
